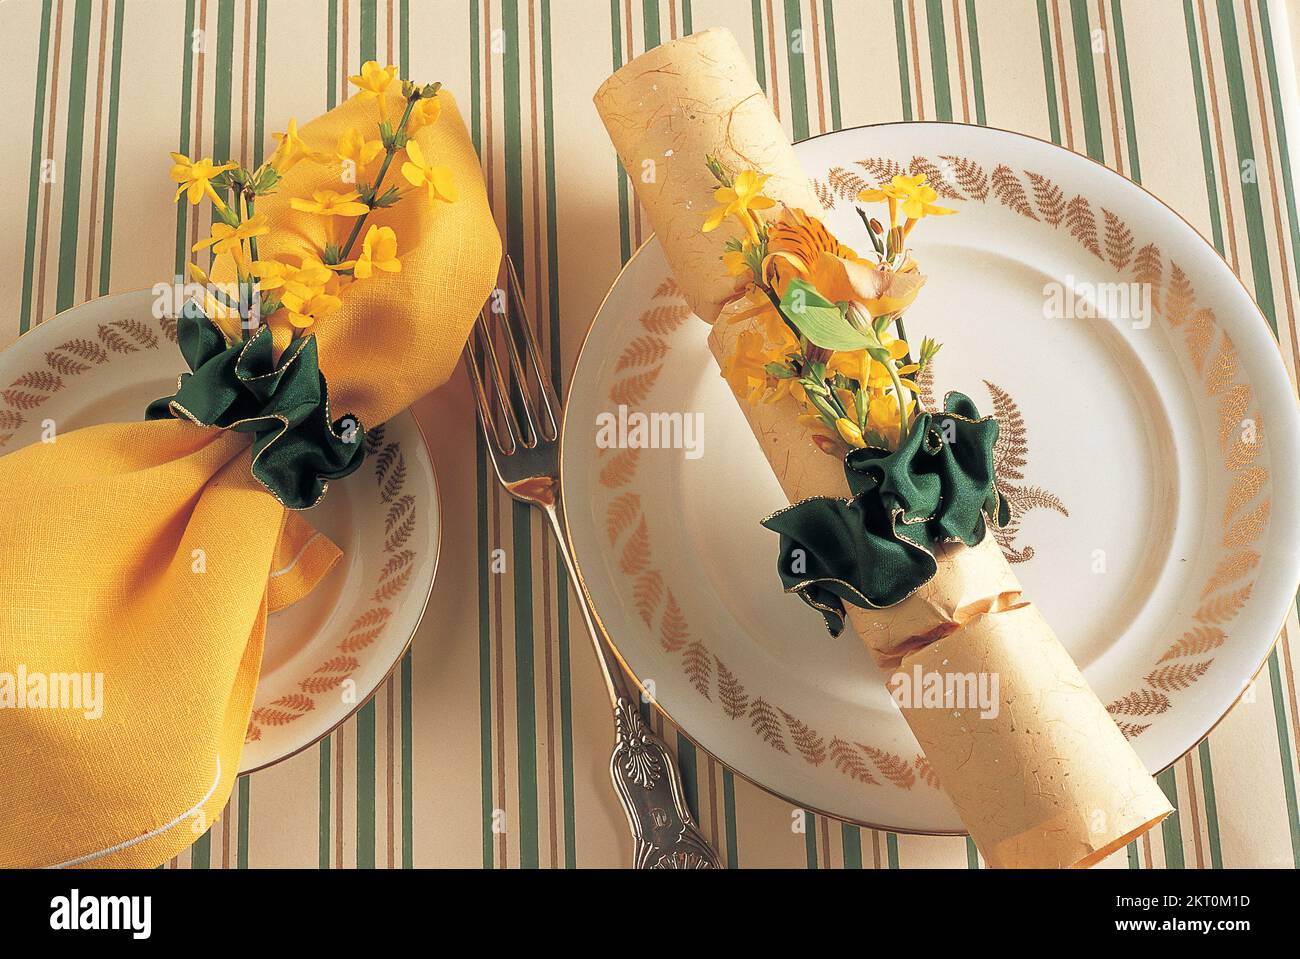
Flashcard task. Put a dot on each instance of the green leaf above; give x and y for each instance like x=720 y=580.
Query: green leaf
x=820 y=320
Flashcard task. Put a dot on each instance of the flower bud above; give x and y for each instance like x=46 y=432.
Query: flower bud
x=849 y=432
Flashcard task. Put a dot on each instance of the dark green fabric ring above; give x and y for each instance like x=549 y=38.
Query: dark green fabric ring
x=283 y=403
x=875 y=548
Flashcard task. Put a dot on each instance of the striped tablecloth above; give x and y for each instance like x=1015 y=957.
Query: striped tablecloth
x=489 y=747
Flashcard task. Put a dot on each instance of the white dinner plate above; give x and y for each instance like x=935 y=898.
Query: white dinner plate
x=105 y=361
x=1151 y=472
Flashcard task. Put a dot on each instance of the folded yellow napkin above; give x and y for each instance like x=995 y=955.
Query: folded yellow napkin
x=101 y=529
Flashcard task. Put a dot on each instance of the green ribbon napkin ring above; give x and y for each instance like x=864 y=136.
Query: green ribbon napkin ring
x=284 y=403
x=874 y=549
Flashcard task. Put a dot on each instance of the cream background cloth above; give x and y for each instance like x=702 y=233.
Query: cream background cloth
x=417 y=776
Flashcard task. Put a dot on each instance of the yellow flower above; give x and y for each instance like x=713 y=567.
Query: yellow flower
x=309 y=278
x=913 y=193
x=373 y=81
x=734 y=262
x=895 y=189
x=331 y=203
x=355 y=149
x=305 y=311
x=882 y=416
x=918 y=199
x=438 y=180
x=291 y=149
x=744 y=368
x=270 y=273
x=230 y=239
x=849 y=432
x=195 y=178
x=378 y=252
x=878 y=289
x=424 y=113
x=744 y=195
x=795 y=242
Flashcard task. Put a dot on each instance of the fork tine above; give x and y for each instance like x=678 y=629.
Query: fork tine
x=516 y=314
x=550 y=402
x=489 y=420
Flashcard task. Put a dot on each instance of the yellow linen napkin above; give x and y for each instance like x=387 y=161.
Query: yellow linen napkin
x=102 y=528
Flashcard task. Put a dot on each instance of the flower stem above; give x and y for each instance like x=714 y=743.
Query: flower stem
x=902 y=403
x=389 y=153
x=902 y=335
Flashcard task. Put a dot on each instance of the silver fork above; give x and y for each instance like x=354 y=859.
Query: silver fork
x=522 y=433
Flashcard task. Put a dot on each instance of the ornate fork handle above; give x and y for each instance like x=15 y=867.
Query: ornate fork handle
x=522 y=433
x=649 y=785
x=644 y=770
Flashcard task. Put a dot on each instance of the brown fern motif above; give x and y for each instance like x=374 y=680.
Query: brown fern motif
x=620 y=469
x=767 y=724
x=698 y=664
x=1231 y=569
x=673 y=630
x=284 y=710
x=925 y=772
x=137 y=331
x=1008 y=188
x=970 y=176
x=882 y=169
x=936 y=176
x=366 y=629
x=621 y=514
x=393 y=579
x=665 y=319
x=1119 y=240
x=1141 y=702
x=1010 y=457
x=925 y=382
x=841 y=184
x=648 y=594
x=1195 y=642
x=1249 y=528
x=633 y=390
x=329 y=674
x=115 y=341
x=731 y=694
x=893 y=767
x=1178 y=676
x=1082 y=224
x=1132 y=730
x=846 y=758
x=811 y=746
x=1049 y=197
x=1148 y=269
x=642 y=351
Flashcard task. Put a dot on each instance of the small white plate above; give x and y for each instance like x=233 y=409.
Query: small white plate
x=105 y=361
x=1163 y=547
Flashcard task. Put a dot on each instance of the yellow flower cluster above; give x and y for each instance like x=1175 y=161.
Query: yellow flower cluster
x=314 y=287
x=859 y=396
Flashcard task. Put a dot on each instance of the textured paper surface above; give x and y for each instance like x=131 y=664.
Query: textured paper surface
x=667 y=110
x=1048 y=780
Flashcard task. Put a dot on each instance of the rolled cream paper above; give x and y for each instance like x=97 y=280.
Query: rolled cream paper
x=1047 y=780
x=1040 y=775
x=665 y=111
x=968 y=580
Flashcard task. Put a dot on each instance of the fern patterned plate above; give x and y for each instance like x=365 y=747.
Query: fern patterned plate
x=104 y=361
x=1149 y=457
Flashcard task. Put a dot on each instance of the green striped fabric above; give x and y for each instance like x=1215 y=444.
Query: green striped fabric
x=489 y=745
